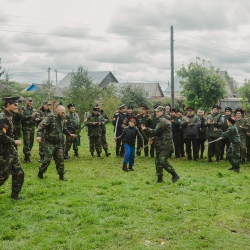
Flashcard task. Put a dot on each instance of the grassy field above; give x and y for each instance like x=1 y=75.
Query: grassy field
x=102 y=207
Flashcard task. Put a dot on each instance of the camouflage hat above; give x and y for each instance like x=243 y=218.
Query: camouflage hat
x=46 y=103
x=12 y=99
x=160 y=108
x=121 y=106
x=29 y=99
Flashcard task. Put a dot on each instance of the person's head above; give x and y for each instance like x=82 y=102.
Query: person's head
x=96 y=111
x=46 y=105
x=159 y=111
x=168 y=107
x=132 y=121
x=200 y=112
x=231 y=121
x=173 y=112
x=99 y=105
x=122 y=108
x=11 y=104
x=190 y=111
x=178 y=113
x=228 y=111
x=239 y=113
x=71 y=107
x=60 y=110
x=143 y=109
x=215 y=109
x=130 y=109
x=29 y=101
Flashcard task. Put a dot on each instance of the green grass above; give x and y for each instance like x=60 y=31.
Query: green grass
x=102 y=207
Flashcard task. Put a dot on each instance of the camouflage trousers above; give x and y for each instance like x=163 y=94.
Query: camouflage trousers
x=243 y=146
x=28 y=140
x=95 y=143
x=104 y=142
x=214 y=148
x=54 y=151
x=161 y=162
x=10 y=164
x=233 y=155
x=41 y=145
x=69 y=141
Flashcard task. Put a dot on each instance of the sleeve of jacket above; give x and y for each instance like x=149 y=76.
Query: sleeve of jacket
x=139 y=138
x=42 y=125
x=3 y=137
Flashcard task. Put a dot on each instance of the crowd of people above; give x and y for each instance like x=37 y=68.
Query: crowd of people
x=163 y=133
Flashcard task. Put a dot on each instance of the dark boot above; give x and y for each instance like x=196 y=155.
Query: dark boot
x=209 y=159
x=124 y=167
x=130 y=168
x=66 y=155
x=14 y=195
x=159 y=178
x=117 y=152
x=98 y=154
x=201 y=156
x=62 y=178
x=107 y=153
x=237 y=169
x=40 y=175
x=217 y=159
x=175 y=177
x=27 y=159
x=41 y=158
x=243 y=160
x=232 y=168
x=76 y=153
x=92 y=154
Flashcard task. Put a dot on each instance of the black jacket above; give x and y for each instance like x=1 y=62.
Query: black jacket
x=129 y=136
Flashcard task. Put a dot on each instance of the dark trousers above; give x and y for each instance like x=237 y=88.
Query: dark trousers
x=225 y=143
x=152 y=150
x=188 y=142
x=182 y=142
x=200 y=146
x=176 y=141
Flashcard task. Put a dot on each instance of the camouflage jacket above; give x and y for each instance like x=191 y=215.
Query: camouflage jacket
x=41 y=114
x=95 y=129
x=141 y=120
x=105 y=116
x=53 y=128
x=6 y=129
x=232 y=134
x=215 y=129
x=72 y=122
x=242 y=125
x=27 y=119
x=162 y=135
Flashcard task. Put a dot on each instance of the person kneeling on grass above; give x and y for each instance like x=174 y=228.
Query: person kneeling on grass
x=128 y=138
x=233 y=153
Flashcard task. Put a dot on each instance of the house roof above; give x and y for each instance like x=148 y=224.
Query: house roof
x=153 y=88
x=97 y=77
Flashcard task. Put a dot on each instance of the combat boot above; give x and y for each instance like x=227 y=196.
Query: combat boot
x=237 y=169
x=98 y=154
x=159 y=180
x=40 y=175
x=243 y=160
x=201 y=156
x=66 y=155
x=175 y=177
x=124 y=167
x=107 y=153
x=130 y=168
x=62 y=178
x=209 y=159
x=27 y=159
x=41 y=158
x=92 y=154
x=76 y=153
x=14 y=195
x=217 y=159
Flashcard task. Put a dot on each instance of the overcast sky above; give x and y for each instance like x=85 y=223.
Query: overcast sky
x=130 y=38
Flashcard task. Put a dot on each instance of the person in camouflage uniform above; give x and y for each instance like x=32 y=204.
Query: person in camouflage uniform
x=242 y=126
x=53 y=129
x=73 y=124
x=41 y=114
x=225 y=143
x=94 y=123
x=142 y=119
x=9 y=159
x=106 y=120
x=233 y=153
x=163 y=139
x=28 y=128
x=17 y=117
x=214 y=128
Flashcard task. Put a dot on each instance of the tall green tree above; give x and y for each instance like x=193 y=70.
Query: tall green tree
x=82 y=92
x=202 y=84
x=244 y=92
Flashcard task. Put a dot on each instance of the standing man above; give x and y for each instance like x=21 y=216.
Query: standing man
x=94 y=123
x=9 y=159
x=41 y=114
x=225 y=143
x=119 y=122
x=53 y=128
x=142 y=119
x=190 y=124
x=72 y=124
x=106 y=120
x=202 y=136
x=175 y=124
x=28 y=127
x=214 y=129
x=130 y=112
x=162 y=136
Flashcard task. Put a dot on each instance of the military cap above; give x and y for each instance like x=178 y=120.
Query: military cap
x=173 y=110
x=155 y=106
x=96 y=109
x=232 y=120
x=216 y=107
x=239 y=110
x=46 y=103
x=144 y=107
x=130 y=107
x=160 y=108
x=228 y=109
x=29 y=99
x=189 y=108
x=177 y=110
x=70 y=105
x=121 y=106
x=201 y=109
x=12 y=99
x=132 y=119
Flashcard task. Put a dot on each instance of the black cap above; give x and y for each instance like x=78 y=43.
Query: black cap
x=232 y=120
x=130 y=107
x=173 y=110
x=189 y=108
x=228 y=109
x=239 y=110
x=71 y=105
x=132 y=118
x=12 y=99
x=216 y=107
x=144 y=107
x=96 y=109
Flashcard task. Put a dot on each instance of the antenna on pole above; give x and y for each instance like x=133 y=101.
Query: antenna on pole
x=56 y=76
x=172 y=64
x=48 y=74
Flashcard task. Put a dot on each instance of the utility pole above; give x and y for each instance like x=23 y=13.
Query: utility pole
x=56 y=76
x=48 y=74
x=172 y=64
